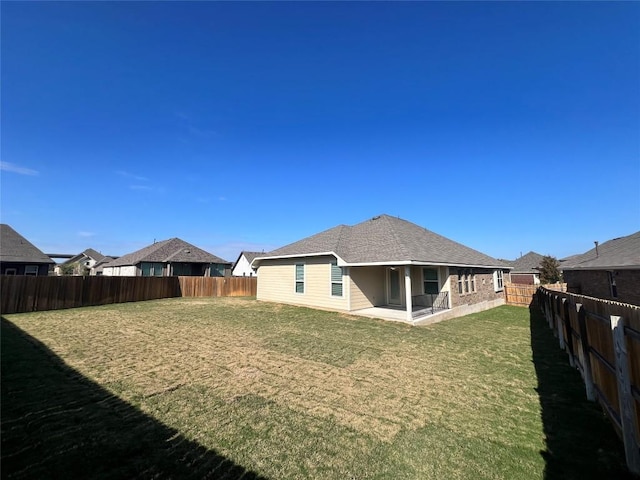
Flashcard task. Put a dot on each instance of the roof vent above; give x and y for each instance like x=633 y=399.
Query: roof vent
x=376 y=217
x=186 y=250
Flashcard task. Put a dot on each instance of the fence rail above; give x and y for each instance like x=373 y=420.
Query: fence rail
x=602 y=339
x=20 y=294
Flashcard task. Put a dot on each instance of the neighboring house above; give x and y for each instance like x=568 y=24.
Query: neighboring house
x=526 y=269
x=18 y=256
x=97 y=268
x=84 y=263
x=609 y=271
x=173 y=257
x=242 y=267
x=382 y=262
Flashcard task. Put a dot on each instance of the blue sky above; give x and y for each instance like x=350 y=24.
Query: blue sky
x=508 y=127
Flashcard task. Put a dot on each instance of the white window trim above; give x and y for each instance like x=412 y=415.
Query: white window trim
x=498 y=275
x=10 y=271
x=34 y=274
x=613 y=288
x=304 y=278
x=331 y=282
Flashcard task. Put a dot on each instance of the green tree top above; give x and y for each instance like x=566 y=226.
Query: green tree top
x=549 y=270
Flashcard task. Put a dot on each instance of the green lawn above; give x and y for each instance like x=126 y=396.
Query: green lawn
x=230 y=388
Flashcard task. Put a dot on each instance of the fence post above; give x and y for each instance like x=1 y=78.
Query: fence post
x=552 y=317
x=567 y=331
x=588 y=377
x=559 y=322
x=624 y=395
x=547 y=308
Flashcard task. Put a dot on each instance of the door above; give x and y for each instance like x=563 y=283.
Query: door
x=395 y=290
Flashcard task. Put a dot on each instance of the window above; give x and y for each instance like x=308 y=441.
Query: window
x=31 y=270
x=151 y=269
x=10 y=271
x=299 y=277
x=336 y=279
x=612 y=284
x=430 y=278
x=497 y=280
x=466 y=281
x=217 y=270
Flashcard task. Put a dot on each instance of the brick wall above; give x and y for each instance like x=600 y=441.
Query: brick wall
x=522 y=278
x=484 y=288
x=595 y=283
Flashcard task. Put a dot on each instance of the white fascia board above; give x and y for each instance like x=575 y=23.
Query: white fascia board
x=422 y=264
x=341 y=262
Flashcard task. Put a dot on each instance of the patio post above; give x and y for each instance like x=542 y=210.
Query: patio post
x=407 y=292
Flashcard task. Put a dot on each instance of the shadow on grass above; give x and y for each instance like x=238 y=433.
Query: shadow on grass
x=580 y=441
x=58 y=424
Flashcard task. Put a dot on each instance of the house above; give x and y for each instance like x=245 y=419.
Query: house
x=384 y=267
x=173 y=257
x=242 y=267
x=609 y=271
x=18 y=256
x=525 y=269
x=84 y=263
x=97 y=268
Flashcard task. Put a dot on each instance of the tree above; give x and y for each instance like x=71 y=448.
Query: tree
x=67 y=268
x=549 y=269
x=75 y=268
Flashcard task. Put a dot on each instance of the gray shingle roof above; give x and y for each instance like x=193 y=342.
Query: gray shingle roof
x=88 y=253
x=623 y=252
x=250 y=255
x=172 y=250
x=91 y=253
x=15 y=248
x=527 y=263
x=386 y=239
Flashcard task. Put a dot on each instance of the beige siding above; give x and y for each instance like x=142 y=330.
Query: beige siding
x=277 y=283
x=416 y=281
x=368 y=287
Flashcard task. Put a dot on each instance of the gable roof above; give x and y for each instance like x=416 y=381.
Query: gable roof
x=88 y=253
x=172 y=250
x=619 y=253
x=385 y=240
x=15 y=248
x=527 y=263
x=248 y=255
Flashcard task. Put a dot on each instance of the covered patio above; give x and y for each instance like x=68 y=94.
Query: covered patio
x=421 y=309
x=399 y=292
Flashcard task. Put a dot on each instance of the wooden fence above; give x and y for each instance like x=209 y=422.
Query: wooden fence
x=19 y=294
x=602 y=339
x=218 y=286
x=525 y=295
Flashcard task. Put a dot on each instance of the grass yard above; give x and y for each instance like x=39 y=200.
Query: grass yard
x=231 y=388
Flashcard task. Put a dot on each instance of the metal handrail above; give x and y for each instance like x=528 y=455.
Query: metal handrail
x=437 y=301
